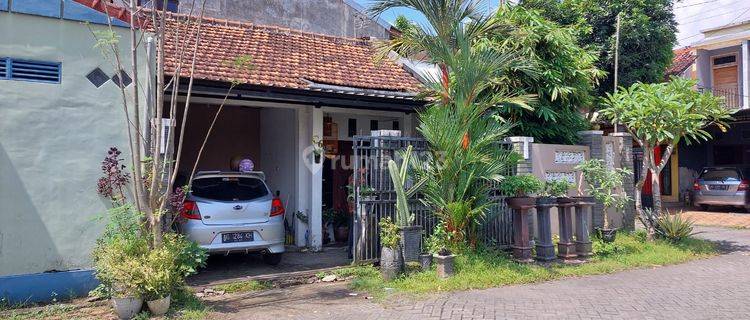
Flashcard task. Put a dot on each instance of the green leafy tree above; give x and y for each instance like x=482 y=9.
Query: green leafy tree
x=647 y=34
x=464 y=155
x=663 y=114
x=566 y=80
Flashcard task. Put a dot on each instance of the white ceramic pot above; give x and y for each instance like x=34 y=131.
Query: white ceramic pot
x=127 y=307
x=159 y=307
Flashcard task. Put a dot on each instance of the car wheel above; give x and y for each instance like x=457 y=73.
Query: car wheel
x=272 y=258
x=704 y=207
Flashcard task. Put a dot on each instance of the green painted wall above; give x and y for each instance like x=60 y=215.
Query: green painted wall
x=52 y=140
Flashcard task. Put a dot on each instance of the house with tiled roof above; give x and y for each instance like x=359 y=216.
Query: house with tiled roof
x=61 y=110
x=720 y=63
x=301 y=87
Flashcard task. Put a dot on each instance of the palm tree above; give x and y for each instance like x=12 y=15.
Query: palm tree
x=461 y=124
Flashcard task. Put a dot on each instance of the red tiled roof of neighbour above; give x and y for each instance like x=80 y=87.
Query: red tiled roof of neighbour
x=281 y=57
x=683 y=58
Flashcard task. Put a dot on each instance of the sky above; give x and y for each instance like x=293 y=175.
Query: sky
x=692 y=16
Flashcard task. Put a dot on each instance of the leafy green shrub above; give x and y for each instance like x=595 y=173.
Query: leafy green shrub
x=521 y=185
x=557 y=188
x=439 y=239
x=605 y=185
x=166 y=267
x=674 y=228
x=389 y=236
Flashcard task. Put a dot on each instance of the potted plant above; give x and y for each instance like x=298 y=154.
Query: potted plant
x=341 y=226
x=329 y=216
x=519 y=190
x=118 y=261
x=410 y=234
x=391 y=262
x=318 y=149
x=559 y=190
x=166 y=268
x=605 y=186
x=437 y=245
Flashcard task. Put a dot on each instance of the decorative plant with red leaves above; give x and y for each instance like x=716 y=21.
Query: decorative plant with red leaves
x=115 y=179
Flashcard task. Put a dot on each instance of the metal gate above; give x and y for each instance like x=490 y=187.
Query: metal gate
x=375 y=197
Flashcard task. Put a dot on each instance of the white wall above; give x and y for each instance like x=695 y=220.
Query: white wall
x=277 y=153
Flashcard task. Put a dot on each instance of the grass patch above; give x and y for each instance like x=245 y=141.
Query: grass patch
x=186 y=306
x=242 y=286
x=487 y=268
x=49 y=311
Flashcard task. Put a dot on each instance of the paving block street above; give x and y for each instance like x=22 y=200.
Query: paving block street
x=715 y=288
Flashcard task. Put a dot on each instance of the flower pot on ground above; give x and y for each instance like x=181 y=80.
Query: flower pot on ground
x=341 y=226
x=127 y=307
x=391 y=261
x=159 y=307
x=411 y=240
x=607 y=235
x=410 y=234
x=341 y=234
x=425 y=261
x=444 y=261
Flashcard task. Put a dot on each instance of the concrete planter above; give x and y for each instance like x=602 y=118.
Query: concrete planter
x=391 y=263
x=608 y=235
x=411 y=242
x=127 y=307
x=520 y=202
x=444 y=265
x=425 y=261
x=159 y=307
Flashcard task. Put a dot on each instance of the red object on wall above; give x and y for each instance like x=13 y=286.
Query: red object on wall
x=647 y=190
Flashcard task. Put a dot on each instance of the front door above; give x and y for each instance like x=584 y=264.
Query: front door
x=725 y=79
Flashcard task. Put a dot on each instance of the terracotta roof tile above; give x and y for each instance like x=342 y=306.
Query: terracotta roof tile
x=683 y=58
x=281 y=57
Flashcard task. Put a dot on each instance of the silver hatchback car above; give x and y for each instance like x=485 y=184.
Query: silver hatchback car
x=721 y=186
x=234 y=212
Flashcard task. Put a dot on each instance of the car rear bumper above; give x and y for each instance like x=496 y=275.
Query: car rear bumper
x=737 y=199
x=268 y=236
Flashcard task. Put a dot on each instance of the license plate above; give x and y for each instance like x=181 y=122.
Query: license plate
x=236 y=237
x=717 y=187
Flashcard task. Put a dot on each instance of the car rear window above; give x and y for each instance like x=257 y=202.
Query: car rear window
x=229 y=188
x=720 y=175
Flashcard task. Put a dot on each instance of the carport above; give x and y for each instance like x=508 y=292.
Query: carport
x=303 y=90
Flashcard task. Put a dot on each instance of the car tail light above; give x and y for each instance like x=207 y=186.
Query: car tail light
x=696 y=185
x=190 y=210
x=277 y=208
x=743 y=185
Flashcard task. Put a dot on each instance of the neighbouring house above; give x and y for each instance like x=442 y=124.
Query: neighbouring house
x=341 y=18
x=720 y=62
x=61 y=110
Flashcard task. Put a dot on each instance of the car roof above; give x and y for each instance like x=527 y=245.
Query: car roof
x=721 y=168
x=214 y=174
